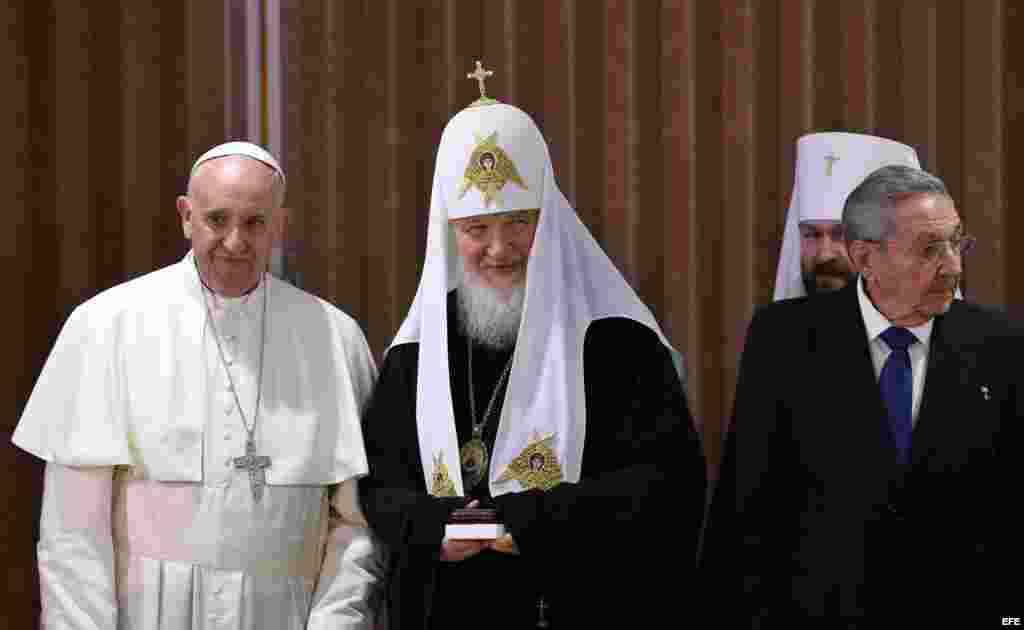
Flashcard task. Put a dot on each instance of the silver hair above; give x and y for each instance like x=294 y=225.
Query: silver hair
x=867 y=214
x=277 y=184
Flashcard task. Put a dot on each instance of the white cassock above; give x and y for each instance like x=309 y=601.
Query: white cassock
x=146 y=522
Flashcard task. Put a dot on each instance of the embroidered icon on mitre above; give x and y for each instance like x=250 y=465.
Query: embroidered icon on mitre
x=442 y=485
x=488 y=170
x=536 y=466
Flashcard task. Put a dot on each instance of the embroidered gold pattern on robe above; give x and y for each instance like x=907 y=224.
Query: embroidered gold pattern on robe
x=443 y=486
x=536 y=466
x=488 y=170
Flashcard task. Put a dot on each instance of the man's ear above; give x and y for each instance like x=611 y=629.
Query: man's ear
x=860 y=255
x=185 y=212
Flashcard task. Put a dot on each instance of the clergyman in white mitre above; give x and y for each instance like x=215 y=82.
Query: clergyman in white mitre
x=201 y=428
x=828 y=166
x=528 y=378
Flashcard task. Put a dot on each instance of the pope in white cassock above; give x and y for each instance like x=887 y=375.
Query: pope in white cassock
x=530 y=379
x=201 y=428
x=829 y=166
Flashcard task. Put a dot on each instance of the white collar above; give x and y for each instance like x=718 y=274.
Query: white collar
x=876 y=323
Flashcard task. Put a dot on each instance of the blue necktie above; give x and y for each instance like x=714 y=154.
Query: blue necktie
x=897 y=385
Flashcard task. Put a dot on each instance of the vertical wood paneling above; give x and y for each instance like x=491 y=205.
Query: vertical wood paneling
x=648 y=206
x=20 y=490
x=709 y=156
x=771 y=197
x=620 y=140
x=560 y=93
x=918 y=41
x=142 y=183
x=796 y=89
x=72 y=182
x=857 y=61
x=207 y=92
x=681 y=313
x=15 y=162
x=950 y=34
x=1012 y=148
x=738 y=180
x=593 y=152
x=982 y=200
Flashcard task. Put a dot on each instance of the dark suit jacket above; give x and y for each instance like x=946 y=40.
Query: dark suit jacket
x=813 y=516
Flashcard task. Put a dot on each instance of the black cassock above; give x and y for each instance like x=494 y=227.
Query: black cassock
x=618 y=546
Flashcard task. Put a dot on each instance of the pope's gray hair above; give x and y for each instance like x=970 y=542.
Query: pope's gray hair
x=277 y=184
x=867 y=214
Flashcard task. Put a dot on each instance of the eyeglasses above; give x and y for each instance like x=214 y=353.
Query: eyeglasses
x=959 y=245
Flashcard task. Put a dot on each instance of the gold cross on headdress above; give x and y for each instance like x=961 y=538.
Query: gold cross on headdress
x=830 y=159
x=480 y=75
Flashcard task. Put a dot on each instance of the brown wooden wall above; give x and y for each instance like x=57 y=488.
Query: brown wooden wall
x=672 y=125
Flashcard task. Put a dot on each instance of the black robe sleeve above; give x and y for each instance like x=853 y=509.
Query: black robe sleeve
x=638 y=506
x=400 y=511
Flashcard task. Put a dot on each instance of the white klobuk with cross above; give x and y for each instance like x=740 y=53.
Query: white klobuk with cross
x=828 y=167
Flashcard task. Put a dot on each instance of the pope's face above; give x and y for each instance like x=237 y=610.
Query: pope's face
x=495 y=248
x=229 y=215
x=824 y=263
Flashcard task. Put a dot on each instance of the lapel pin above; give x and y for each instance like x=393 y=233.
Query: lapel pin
x=984 y=391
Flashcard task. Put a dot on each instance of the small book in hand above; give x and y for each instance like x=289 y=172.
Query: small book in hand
x=474 y=524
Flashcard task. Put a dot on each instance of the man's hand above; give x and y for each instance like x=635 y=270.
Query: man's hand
x=459 y=550
x=505 y=544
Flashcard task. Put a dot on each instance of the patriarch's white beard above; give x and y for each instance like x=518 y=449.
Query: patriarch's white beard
x=490 y=316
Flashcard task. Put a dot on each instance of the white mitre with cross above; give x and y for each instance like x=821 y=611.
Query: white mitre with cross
x=828 y=167
x=492 y=159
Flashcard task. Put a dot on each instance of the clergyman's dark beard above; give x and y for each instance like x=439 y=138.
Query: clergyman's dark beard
x=826 y=269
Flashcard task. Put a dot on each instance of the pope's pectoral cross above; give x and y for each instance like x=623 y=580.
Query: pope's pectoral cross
x=256 y=465
x=830 y=159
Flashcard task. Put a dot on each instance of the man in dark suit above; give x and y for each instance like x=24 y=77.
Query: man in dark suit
x=868 y=471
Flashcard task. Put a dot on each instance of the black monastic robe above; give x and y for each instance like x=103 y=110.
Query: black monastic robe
x=591 y=550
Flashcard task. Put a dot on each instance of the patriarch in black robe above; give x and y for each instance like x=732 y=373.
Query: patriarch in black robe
x=530 y=379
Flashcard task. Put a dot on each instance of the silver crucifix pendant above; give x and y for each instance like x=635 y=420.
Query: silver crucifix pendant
x=256 y=465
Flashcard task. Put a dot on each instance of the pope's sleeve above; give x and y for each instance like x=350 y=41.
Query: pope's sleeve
x=361 y=366
x=76 y=555
x=75 y=415
x=350 y=589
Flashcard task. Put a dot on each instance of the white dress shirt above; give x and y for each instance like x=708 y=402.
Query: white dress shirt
x=876 y=324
